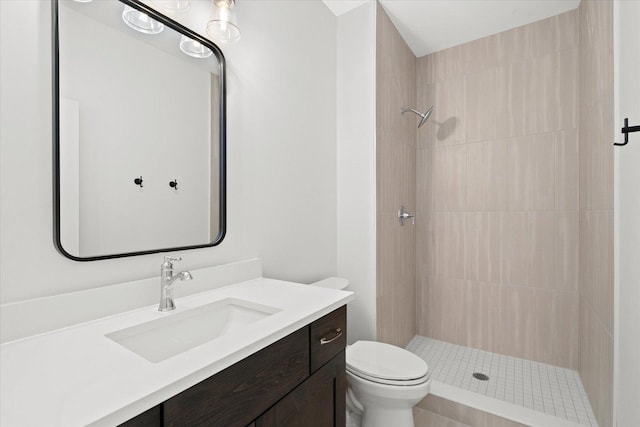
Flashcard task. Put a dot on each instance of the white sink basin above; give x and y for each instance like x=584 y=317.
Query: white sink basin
x=160 y=339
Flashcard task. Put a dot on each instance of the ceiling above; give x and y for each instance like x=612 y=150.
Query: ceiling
x=432 y=25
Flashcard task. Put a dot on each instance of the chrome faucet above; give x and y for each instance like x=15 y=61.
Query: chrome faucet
x=167 y=278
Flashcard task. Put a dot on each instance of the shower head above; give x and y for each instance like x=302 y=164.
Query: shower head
x=423 y=116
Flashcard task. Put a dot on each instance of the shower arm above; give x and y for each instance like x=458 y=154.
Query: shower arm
x=423 y=116
x=406 y=110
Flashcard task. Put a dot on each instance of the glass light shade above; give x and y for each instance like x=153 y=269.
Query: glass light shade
x=174 y=5
x=223 y=26
x=141 y=21
x=194 y=48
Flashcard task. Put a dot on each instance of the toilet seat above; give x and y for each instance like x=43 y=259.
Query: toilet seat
x=386 y=364
x=387 y=381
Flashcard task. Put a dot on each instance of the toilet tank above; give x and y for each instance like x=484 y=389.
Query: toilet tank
x=332 y=283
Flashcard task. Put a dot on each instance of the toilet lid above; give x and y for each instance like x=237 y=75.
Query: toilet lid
x=385 y=362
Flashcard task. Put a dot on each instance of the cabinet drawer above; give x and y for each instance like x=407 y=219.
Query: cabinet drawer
x=328 y=337
x=237 y=395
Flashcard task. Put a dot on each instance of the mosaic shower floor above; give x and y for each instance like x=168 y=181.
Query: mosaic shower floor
x=528 y=385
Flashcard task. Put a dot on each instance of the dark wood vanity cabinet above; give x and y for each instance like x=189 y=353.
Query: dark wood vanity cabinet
x=296 y=381
x=318 y=402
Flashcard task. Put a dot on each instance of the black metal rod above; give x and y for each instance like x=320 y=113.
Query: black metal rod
x=626 y=130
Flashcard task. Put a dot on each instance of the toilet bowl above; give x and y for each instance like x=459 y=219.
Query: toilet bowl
x=385 y=382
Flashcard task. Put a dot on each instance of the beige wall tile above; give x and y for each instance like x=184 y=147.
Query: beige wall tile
x=396 y=294
x=556 y=328
x=584 y=267
x=518 y=321
x=566 y=170
x=531 y=172
x=595 y=123
x=425 y=73
x=422 y=304
x=436 y=313
x=592 y=264
x=426 y=135
x=516 y=247
x=540 y=101
x=567 y=31
x=487 y=175
x=565 y=329
x=566 y=251
x=566 y=95
x=423 y=418
x=448 y=111
x=459 y=415
x=605 y=380
x=462 y=413
x=482 y=54
x=450 y=178
x=430 y=403
x=543 y=342
x=529 y=249
x=448 y=230
x=601 y=165
x=517 y=43
x=455 y=301
x=424 y=180
x=495 y=421
x=396 y=185
x=510 y=99
x=588 y=353
x=543 y=36
x=480 y=106
x=483 y=329
x=485 y=239
x=601 y=260
x=448 y=63
x=425 y=247
x=596 y=21
x=541 y=258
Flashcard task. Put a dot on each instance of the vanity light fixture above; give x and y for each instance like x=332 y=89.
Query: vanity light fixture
x=174 y=5
x=223 y=26
x=194 y=48
x=140 y=21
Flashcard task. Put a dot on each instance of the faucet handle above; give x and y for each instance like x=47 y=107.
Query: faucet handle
x=168 y=259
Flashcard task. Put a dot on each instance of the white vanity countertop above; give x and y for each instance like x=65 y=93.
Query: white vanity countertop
x=77 y=376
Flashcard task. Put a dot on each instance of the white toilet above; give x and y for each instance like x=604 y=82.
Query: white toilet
x=385 y=381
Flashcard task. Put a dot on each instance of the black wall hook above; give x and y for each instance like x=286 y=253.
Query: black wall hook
x=138 y=181
x=174 y=184
x=627 y=130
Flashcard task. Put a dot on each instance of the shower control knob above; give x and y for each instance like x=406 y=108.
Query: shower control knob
x=138 y=181
x=174 y=184
x=404 y=215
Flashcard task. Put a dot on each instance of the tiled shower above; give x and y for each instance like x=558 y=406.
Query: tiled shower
x=511 y=181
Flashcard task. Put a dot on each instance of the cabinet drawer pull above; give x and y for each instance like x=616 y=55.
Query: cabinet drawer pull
x=337 y=334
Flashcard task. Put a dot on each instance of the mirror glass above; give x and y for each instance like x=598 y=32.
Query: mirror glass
x=140 y=132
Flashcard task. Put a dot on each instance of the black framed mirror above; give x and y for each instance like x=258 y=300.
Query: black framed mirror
x=139 y=132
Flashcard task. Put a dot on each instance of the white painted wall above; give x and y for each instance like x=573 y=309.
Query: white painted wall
x=356 y=166
x=627 y=215
x=282 y=87
x=281 y=153
x=129 y=128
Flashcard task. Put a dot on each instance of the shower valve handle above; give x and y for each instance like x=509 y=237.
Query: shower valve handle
x=404 y=215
